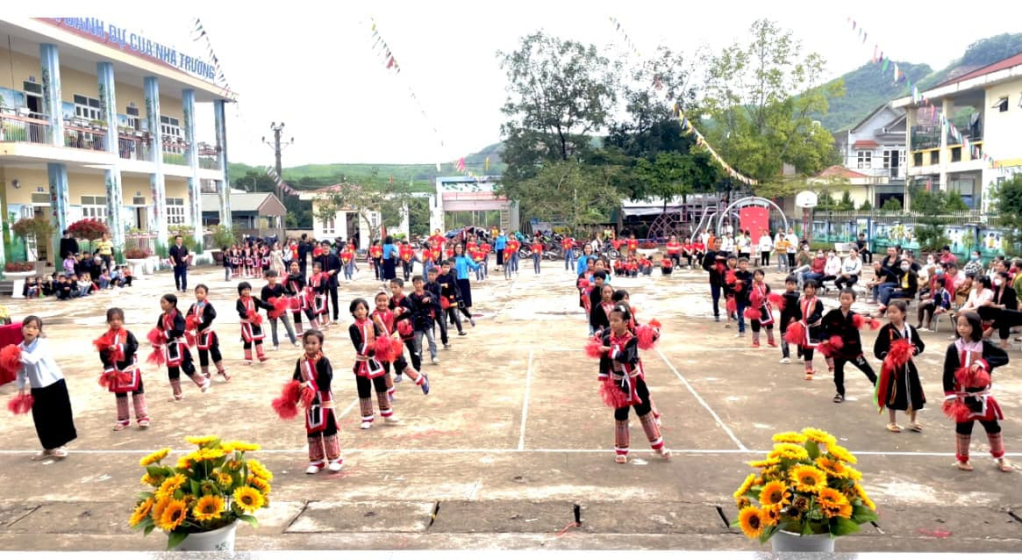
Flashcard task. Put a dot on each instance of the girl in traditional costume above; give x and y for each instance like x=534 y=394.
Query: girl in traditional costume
x=121 y=375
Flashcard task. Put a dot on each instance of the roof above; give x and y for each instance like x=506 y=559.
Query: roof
x=874 y=113
x=989 y=69
x=840 y=171
x=865 y=144
x=264 y=204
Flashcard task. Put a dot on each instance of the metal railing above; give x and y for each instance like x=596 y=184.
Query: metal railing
x=145 y=242
x=209 y=163
x=925 y=137
x=132 y=147
x=84 y=138
x=172 y=158
x=31 y=129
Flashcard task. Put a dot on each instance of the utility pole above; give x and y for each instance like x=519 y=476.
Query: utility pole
x=278 y=147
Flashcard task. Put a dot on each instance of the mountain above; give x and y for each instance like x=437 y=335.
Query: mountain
x=866 y=88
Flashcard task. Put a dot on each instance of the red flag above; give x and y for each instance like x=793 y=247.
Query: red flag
x=461 y=165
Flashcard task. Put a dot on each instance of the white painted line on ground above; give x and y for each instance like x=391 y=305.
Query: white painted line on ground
x=692 y=390
x=525 y=403
x=346 y=410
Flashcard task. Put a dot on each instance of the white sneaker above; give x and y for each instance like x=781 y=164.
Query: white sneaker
x=392 y=420
x=366 y=425
x=435 y=362
x=398 y=378
x=739 y=335
x=785 y=360
x=206 y=385
x=335 y=466
x=313 y=469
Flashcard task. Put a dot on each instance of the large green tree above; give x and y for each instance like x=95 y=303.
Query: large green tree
x=1008 y=204
x=761 y=95
x=585 y=194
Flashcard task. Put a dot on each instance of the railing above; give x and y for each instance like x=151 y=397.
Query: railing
x=209 y=163
x=925 y=137
x=133 y=147
x=172 y=158
x=34 y=129
x=84 y=138
x=144 y=241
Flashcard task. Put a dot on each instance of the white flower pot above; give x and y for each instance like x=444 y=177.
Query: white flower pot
x=137 y=267
x=19 y=282
x=784 y=541
x=220 y=540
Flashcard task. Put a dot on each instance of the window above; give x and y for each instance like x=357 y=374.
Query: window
x=1001 y=105
x=134 y=121
x=175 y=211
x=94 y=207
x=173 y=141
x=41 y=198
x=897 y=158
x=86 y=108
x=956 y=154
x=138 y=201
x=934 y=157
x=917 y=159
x=865 y=160
x=329 y=226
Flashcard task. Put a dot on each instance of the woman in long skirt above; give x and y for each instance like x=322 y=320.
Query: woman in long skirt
x=51 y=405
x=461 y=264
x=390 y=254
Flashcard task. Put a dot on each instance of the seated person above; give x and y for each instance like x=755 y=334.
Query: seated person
x=31 y=288
x=65 y=288
x=84 y=284
x=126 y=276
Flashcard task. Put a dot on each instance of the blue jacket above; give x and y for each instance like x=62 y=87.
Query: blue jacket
x=389 y=251
x=500 y=243
x=462 y=264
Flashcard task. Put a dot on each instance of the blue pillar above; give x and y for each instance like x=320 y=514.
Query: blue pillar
x=114 y=192
x=194 y=183
x=156 y=182
x=58 y=204
x=221 y=140
x=50 y=59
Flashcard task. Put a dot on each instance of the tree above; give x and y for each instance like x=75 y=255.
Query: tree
x=362 y=197
x=559 y=92
x=1007 y=199
x=931 y=207
x=825 y=201
x=891 y=205
x=762 y=97
x=586 y=194
x=846 y=203
x=866 y=206
x=672 y=174
x=954 y=202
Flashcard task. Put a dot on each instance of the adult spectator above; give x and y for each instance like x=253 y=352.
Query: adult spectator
x=883 y=279
x=179 y=258
x=851 y=268
x=765 y=246
x=105 y=250
x=714 y=255
x=975 y=264
x=68 y=244
x=832 y=269
x=1002 y=310
x=390 y=255
x=304 y=248
x=946 y=256
x=906 y=286
x=793 y=245
x=816 y=269
x=330 y=264
x=863 y=246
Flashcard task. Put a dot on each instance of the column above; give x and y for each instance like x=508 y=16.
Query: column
x=194 y=183
x=114 y=192
x=58 y=204
x=948 y=110
x=156 y=181
x=221 y=140
x=50 y=60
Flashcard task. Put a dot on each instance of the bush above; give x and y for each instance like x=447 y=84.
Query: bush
x=136 y=254
x=891 y=205
x=223 y=237
x=40 y=228
x=19 y=267
x=89 y=229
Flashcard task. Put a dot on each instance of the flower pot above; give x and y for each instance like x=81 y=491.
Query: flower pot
x=137 y=267
x=19 y=282
x=220 y=540
x=785 y=541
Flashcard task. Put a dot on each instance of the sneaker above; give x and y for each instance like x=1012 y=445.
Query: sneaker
x=263 y=358
x=143 y=424
x=435 y=361
x=447 y=346
x=785 y=360
x=295 y=344
x=740 y=334
x=206 y=385
x=463 y=333
x=472 y=322
x=276 y=348
x=119 y=427
x=366 y=425
x=335 y=466
x=716 y=319
x=425 y=384
x=391 y=420
x=839 y=398
x=755 y=345
x=398 y=378
x=772 y=344
x=313 y=469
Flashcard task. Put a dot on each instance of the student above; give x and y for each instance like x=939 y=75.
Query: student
x=899 y=387
x=462 y=264
x=600 y=315
x=69 y=264
x=968 y=368
x=444 y=286
x=765 y=246
x=938 y=300
x=406 y=254
x=761 y=311
x=667 y=266
x=790 y=313
x=347 y=262
x=423 y=309
x=313 y=371
x=809 y=331
x=275 y=291
x=714 y=263
x=537 y=253
x=316 y=294
x=674 y=251
x=369 y=373
x=41 y=376
x=401 y=306
x=294 y=287
x=171 y=330
x=201 y=314
x=121 y=374
x=841 y=323
x=741 y=290
x=251 y=322
x=386 y=322
x=624 y=387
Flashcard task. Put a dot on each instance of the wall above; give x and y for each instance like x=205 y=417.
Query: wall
x=1001 y=137
x=21 y=66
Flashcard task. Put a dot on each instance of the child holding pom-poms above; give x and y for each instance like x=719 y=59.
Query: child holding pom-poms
x=761 y=311
x=968 y=365
x=168 y=337
x=368 y=372
x=647 y=335
x=807 y=332
x=251 y=322
x=121 y=374
x=843 y=343
x=314 y=375
x=899 y=387
x=390 y=350
x=199 y=322
x=622 y=385
x=48 y=398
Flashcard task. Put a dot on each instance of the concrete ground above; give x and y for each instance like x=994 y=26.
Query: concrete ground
x=513 y=444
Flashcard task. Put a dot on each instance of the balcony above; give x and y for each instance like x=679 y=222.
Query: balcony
x=134 y=147
x=925 y=138
x=209 y=156
x=90 y=137
x=32 y=128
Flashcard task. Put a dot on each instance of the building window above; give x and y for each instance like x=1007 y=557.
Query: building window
x=917 y=159
x=956 y=154
x=86 y=108
x=173 y=141
x=865 y=160
x=1001 y=105
x=175 y=211
x=892 y=156
x=934 y=157
x=329 y=226
x=94 y=207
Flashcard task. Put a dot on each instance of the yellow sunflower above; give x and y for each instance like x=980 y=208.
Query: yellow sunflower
x=208 y=508
x=771 y=515
x=141 y=511
x=200 y=440
x=800 y=504
x=173 y=515
x=158 y=507
x=257 y=468
x=789 y=451
x=185 y=462
x=208 y=454
x=837 y=469
x=790 y=437
x=750 y=519
x=852 y=474
x=765 y=463
x=861 y=493
x=224 y=479
x=744 y=488
x=248 y=499
x=154 y=457
x=233 y=465
x=773 y=493
x=834 y=504
x=841 y=454
x=170 y=486
x=260 y=484
x=151 y=480
x=819 y=436
x=242 y=446
x=808 y=479
x=742 y=503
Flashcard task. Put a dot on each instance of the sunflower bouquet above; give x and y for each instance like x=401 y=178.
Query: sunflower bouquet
x=208 y=489
x=805 y=486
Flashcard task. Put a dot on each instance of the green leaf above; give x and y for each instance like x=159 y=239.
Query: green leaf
x=862 y=514
x=251 y=520
x=156 y=471
x=148 y=529
x=195 y=487
x=175 y=539
x=813 y=449
x=840 y=527
x=767 y=533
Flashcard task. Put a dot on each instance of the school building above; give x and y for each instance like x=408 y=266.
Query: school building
x=97 y=121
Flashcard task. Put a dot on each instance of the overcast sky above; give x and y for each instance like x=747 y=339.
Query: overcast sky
x=311 y=65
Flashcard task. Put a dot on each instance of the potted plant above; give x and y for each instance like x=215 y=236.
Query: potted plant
x=804 y=494
x=38 y=228
x=223 y=239
x=136 y=257
x=199 y=502
x=89 y=229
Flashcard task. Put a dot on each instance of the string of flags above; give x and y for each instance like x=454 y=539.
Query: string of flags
x=928 y=111
x=271 y=172
x=199 y=32
x=624 y=37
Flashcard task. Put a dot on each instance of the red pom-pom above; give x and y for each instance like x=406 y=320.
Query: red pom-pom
x=756 y=299
x=101 y=343
x=655 y=324
x=156 y=337
x=795 y=334
x=647 y=336
x=106 y=378
x=874 y=324
x=972 y=380
x=594 y=349
x=900 y=353
x=280 y=305
x=777 y=300
x=583 y=284
x=383 y=349
x=286 y=405
x=404 y=327
x=396 y=347
x=612 y=395
x=830 y=347
x=10 y=359
x=444 y=302
x=956 y=410
x=20 y=404
x=836 y=342
x=156 y=357
x=732 y=306
x=753 y=314
x=254 y=317
x=730 y=278
x=308 y=393
x=191 y=323
x=861 y=321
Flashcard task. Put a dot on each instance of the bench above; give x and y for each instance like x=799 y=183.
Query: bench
x=842 y=249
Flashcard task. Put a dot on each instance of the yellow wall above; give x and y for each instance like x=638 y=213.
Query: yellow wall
x=133 y=184
x=170 y=107
x=858 y=193
x=30 y=180
x=74 y=82
x=1001 y=130
x=21 y=65
x=177 y=188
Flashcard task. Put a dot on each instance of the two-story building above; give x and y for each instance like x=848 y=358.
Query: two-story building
x=97 y=121
x=874 y=151
x=986 y=108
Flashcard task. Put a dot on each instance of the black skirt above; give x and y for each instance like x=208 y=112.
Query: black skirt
x=906 y=390
x=51 y=412
x=389 y=269
x=466 y=292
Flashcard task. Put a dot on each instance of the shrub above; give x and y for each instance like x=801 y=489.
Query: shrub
x=90 y=229
x=136 y=253
x=19 y=267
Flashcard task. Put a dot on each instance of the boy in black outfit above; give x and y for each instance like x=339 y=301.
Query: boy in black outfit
x=448 y=282
x=743 y=287
x=434 y=287
x=424 y=309
x=274 y=289
x=790 y=313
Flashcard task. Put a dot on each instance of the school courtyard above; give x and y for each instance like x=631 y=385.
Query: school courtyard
x=513 y=447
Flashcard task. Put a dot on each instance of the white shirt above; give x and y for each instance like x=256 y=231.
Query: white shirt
x=765 y=244
x=39 y=369
x=833 y=266
x=705 y=237
x=852 y=267
x=727 y=245
x=792 y=242
x=743 y=244
x=978 y=298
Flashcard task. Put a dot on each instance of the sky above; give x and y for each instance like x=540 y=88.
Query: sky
x=311 y=65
